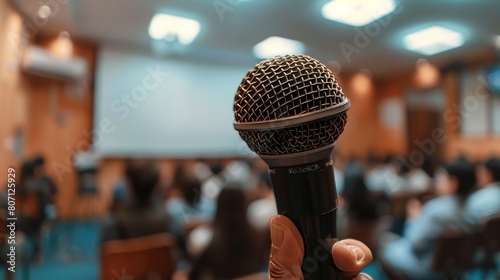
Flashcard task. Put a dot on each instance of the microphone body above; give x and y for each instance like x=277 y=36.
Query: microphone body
x=291 y=110
x=306 y=194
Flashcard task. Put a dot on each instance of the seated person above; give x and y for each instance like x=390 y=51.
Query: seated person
x=485 y=202
x=414 y=179
x=234 y=248
x=47 y=187
x=359 y=203
x=376 y=174
x=190 y=208
x=144 y=214
x=411 y=255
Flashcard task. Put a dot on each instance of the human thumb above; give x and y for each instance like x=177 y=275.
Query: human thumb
x=287 y=249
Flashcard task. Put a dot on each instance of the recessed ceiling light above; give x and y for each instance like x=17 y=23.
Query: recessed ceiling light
x=44 y=12
x=433 y=40
x=170 y=27
x=357 y=12
x=274 y=46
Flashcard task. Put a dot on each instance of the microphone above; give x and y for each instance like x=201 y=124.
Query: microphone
x=291 y=110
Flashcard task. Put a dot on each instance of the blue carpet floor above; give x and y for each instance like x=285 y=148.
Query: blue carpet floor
x=71 y=253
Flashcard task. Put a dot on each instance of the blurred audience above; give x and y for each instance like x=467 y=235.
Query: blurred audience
x=220 y=215
x=190 y=208
x=413 y=177
x=484 y=203
x=411 y=255
x=358 y=199
x=120 y=197
x=144 y=214
x=234 y=247
x=33 y=180
x=35 y=194
x=378 y=172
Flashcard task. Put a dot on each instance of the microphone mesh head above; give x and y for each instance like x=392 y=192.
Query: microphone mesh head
x=284 y=87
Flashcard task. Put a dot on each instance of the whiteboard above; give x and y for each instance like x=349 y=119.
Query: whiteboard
x=164 y=107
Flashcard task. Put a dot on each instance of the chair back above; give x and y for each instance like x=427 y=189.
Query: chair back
x=454 y=252
x=149 y=257
x=491 y=238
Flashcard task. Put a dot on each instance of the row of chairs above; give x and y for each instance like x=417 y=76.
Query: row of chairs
x=455 y=252
x=149 y=257
x=459 y=252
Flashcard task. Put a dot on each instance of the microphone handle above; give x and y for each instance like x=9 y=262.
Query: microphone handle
x=306 y=194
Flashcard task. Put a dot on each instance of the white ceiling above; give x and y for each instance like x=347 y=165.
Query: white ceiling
x=245 y=23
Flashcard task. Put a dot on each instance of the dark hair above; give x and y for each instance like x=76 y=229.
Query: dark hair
x=190 y=187
x=360 y=204
x=235 y=249
x=215 y=166
x=493 y=166
x=187 y=183
x=27 y=171
x=465 y=174
x=231 y=207
x=389 y=159
x=404 y=166
x=373 y=159
x=38 y=161
x=143 y=176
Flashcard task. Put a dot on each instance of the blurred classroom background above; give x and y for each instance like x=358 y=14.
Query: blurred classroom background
x=117 y=120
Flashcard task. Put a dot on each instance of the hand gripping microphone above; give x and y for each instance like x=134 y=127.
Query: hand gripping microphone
x=290 y=110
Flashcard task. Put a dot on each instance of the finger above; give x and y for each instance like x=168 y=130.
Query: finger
x=351 y=256
x=287 y=249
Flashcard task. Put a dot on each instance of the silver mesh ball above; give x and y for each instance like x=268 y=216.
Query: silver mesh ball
x=284 y=87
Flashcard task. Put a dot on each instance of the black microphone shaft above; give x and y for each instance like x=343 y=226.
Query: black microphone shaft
x=306 y=194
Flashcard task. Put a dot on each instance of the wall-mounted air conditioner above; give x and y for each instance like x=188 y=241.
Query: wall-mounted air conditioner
x=39 y=61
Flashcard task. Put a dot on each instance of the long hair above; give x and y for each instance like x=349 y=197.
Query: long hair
x=188 y=184
x=236 y=249
x=143 y=176
x=231 y=225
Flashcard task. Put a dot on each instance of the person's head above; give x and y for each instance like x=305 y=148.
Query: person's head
x=457 y=178
x=389 y=159
x=27 y=171
x=215 y=165
x=373 y=160
x=354 y=182
x=190 y=187
x=38 y=164
x=404 y=166
x=32 y=168
x=142 y=177
x=234 y=239
x=231 y=207
x=488 y=172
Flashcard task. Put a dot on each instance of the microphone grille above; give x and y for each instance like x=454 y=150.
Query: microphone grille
x=286 y=86
x=306 y=137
